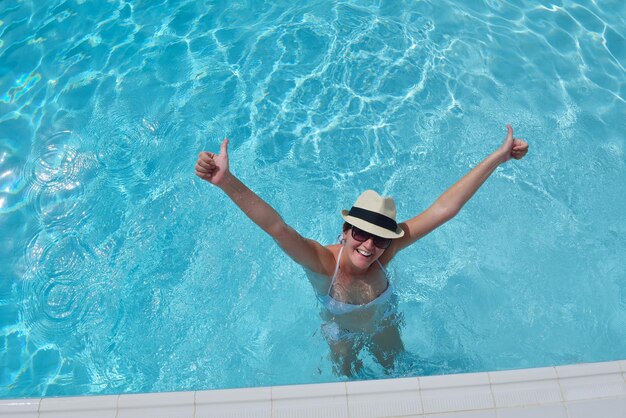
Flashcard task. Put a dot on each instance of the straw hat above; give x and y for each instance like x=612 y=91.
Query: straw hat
x=375 y=214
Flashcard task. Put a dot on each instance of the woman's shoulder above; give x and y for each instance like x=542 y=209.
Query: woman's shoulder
x=334 y=248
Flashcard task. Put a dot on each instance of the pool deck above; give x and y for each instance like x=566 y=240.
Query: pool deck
x=592 y=390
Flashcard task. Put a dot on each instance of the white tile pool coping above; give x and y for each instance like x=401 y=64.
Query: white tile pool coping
x=592 y=390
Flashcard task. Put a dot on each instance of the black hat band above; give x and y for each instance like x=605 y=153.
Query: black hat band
x=374 y=218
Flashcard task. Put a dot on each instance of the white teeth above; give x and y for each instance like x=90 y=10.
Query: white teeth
x=364 y=253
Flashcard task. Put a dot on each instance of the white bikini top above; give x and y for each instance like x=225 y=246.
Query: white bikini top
x=336 y=307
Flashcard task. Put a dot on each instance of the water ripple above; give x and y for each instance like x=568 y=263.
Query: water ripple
x=54 y=284
x=63 y=258
x=60 y=173
x=114 y=150
x=54 y=166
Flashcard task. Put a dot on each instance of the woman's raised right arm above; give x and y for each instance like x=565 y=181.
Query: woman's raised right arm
x=308 y=253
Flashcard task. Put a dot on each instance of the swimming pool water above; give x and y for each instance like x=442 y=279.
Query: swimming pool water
x=121 y=272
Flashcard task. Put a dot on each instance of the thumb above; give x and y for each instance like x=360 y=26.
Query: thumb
x=509 y=133
x=224 y=148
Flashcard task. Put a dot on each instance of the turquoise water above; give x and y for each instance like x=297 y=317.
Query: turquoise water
x=121 y=272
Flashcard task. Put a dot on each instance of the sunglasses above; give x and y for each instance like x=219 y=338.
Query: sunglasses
x=362 y=236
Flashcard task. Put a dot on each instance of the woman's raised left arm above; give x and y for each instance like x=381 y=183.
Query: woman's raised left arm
x=453 y=199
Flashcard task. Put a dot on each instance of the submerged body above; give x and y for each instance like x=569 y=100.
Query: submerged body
x=350 y=278
x=349 y=326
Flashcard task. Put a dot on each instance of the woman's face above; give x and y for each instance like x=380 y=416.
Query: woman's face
x=361 y=253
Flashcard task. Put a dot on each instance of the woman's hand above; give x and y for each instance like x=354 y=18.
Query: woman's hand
x=512 y=147
x=213 y=167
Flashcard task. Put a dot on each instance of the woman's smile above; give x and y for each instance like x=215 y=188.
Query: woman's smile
x=364 y=253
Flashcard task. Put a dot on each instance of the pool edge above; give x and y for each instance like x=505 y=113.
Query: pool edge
x=569 y=391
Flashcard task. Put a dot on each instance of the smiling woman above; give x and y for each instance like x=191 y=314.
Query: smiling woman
x=350 y=277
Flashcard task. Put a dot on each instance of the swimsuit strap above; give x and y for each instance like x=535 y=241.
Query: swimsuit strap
x=383 y=269
x=332 y=282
